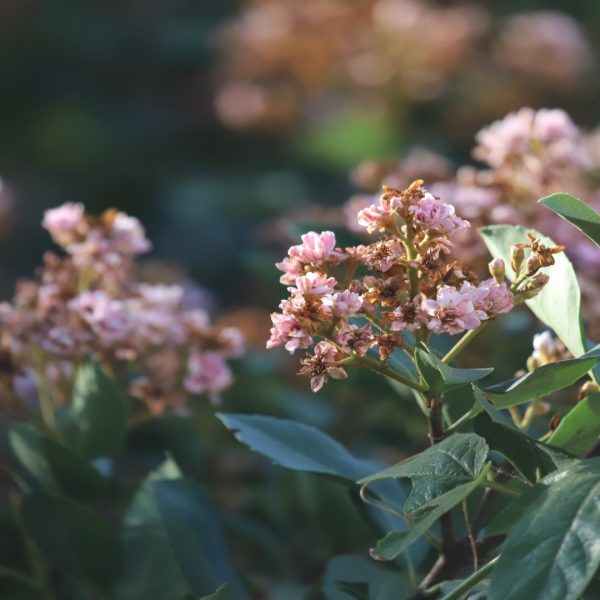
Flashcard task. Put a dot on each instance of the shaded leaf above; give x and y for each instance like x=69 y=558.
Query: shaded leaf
x=526 y=453
x=296 y=446
x=73 y=537
x=552 y=553
x=440 y=377
x=558 y=305
x=576 y=212
x=173 y=545
x=98 y=418
x=194 y=535
x=56 y=467
x=454 y=461
x=223 y=593
x=381 y=581
x=579 y=429
x=396 y=542
x=543 y=381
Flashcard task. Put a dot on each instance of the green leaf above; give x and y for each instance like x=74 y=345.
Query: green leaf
x=440 y=377
x=552 y=553
x=223 y=593
x=195 y=536
x=526 y=453
x=53 y=465
x=296 y=446
x=98 y=418
x=453 y=462
x=73 y=537
x=543 y=381
x=302 y=448
x=579 y=429
x=381 y=581
x=397 y=542
x=173 y=546
x=558 y=305
x=576 y=212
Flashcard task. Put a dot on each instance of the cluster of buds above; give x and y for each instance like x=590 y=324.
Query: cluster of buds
x=87 y=302
x=402 y=287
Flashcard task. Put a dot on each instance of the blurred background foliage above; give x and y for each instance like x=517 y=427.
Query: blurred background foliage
x=115 y=103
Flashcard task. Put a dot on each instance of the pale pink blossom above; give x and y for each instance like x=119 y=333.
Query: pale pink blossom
x=452 y=312
x=313 y=284
x=128 y=235
x=65 y=223
x=207 y=372
x=292 y=268
x=490 y=296
x=343 y=304
x=106 y=316
x=374 y=218
x=437 y=215
x=316 y=248
x=233 y=341
x=408 y=316
x=286 y=331
x=504 y=138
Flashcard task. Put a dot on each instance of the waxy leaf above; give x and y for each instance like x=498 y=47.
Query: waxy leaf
x=527 y=454
x=576 y=212
x=553 y=551
x=397 y=542
x=296 y=446
x=543 y=381
x=55 y=466
x=453 y=462
x=173 y=545
x=558 y=305
x=303 y=448
x=580 y=428
x=98 y=418
x=73 y=536
x=381 y=581
x=440 y=377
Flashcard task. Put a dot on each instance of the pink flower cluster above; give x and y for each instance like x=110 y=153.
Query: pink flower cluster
x=527 y=155
x=406 y=284
x=88 y=303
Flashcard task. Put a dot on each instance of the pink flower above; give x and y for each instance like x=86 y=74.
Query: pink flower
x=355 y=339
x=452 y=312
x=343 y=304
x=408 y=316
x=207 y=372
x=292 y=268
x=234 y=341
x=507 y=137
x=128 y=236
x=316 y=248
x=435 y=214
x=313 y=284
x=287 y=331
x=323 y=363
x=65 y=223
x=106 y=316
x=489 y=296
x=552 y=125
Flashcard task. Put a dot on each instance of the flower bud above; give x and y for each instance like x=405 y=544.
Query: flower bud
x=532 y=363
x=517 y=256
x=534 y=286
x=589 y=387
x=497 y=269
x=533 y=265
